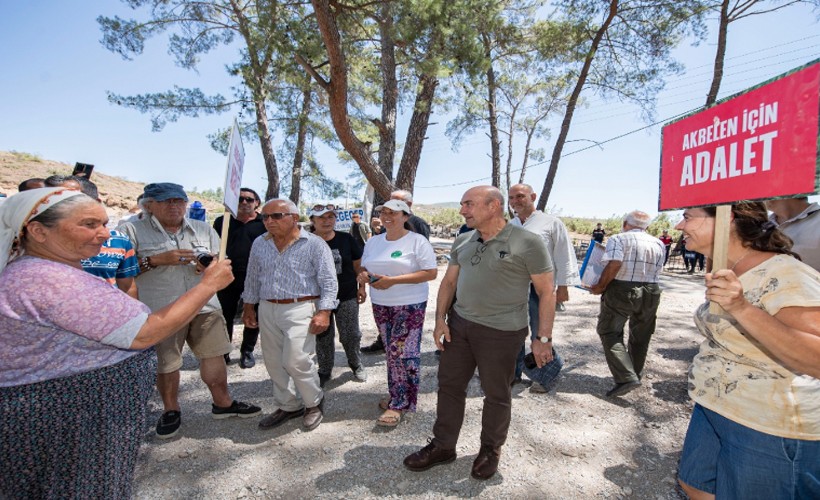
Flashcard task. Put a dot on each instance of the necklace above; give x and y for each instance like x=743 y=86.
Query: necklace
x=741 y=258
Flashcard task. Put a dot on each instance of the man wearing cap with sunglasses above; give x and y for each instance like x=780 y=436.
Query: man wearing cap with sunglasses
x=167 y=243
x=292 y=278
x=242 y=231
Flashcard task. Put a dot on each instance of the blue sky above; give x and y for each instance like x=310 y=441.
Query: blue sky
x=56 y=74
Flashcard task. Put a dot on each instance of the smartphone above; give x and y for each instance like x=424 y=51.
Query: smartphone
x=373 y=279
x=83 y=170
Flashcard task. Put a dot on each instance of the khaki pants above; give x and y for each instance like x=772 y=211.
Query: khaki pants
x=287 y=348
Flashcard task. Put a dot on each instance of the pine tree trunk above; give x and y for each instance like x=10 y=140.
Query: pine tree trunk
x=720 y=55
x=417 y=132
x=573 y=101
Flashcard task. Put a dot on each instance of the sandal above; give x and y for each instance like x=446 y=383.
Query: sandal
x=384 y=403
x=389 y=418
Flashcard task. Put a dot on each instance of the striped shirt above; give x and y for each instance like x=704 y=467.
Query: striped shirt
x=641 y=256
x=305 y=268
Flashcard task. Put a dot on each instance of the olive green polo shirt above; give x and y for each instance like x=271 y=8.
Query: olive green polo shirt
x=494 y=276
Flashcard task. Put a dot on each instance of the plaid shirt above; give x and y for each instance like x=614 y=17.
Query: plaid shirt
x=641 y=255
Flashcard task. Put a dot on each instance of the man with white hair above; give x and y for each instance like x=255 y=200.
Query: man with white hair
x=167 y=244
x=629 y=284
x=291 y=275
x=417 y=225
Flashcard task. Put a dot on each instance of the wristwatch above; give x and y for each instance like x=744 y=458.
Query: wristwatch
x=545 y=340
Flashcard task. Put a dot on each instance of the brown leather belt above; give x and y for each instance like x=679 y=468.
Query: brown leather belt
x=293 y=301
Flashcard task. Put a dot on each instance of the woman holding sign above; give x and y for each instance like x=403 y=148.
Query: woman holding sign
x=755 y=428
x=76 y=370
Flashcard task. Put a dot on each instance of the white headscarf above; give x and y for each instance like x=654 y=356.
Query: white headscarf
x=19 y=209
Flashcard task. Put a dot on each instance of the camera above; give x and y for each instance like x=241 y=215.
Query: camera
x=204 y=259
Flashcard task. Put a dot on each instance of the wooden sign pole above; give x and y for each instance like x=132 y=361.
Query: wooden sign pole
x=720 y=249
x=223 y=245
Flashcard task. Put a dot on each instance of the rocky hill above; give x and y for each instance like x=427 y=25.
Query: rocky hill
x=116 y=193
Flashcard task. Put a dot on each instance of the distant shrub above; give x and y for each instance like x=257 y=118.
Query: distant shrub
x=27 y=156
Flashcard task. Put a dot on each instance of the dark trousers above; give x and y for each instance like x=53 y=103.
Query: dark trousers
x=634 y=302
x=493 y=352
x=229 y=298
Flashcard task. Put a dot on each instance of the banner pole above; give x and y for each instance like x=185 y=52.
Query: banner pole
x=720 y=248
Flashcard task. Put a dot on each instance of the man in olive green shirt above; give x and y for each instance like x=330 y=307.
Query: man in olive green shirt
x=489 y=274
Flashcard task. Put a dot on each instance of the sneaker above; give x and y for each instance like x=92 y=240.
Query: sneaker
x=168 y=424
x=560 y=307
x=360 y=374
x=237 y=409
x=246 y=360
x=537 y=388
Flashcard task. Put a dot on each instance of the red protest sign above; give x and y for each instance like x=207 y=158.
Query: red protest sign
x=759 y=144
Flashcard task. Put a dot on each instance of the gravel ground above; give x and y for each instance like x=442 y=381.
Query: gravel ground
x=570 y=443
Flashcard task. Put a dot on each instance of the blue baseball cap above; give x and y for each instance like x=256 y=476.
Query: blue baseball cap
x=161 y=191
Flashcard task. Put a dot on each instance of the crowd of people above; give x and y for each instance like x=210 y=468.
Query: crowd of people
x=78 y=362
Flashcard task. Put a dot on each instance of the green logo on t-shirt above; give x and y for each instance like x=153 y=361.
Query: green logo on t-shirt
x=396 y=254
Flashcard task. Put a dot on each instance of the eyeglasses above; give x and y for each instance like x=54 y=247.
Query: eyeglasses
x=329 y=206
x=247 y=199
x=479 y=250
x=275 y=216
x=174 y=201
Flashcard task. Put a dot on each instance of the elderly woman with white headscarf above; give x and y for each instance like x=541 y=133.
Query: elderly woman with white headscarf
x=75 y=368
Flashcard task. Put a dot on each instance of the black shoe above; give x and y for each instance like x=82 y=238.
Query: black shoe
x=323 y=379
x=237 y=409
x=486 y=463
x=279 y=417
x=168 y=424
x=428 y=457
x=227 y=359
x=623 y=388
x=374 y=348
x=246 y=360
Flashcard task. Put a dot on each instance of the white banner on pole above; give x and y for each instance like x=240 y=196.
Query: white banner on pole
x=233 y=176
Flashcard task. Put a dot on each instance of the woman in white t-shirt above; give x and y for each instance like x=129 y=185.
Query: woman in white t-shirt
x=755 y=428
x=397 y=265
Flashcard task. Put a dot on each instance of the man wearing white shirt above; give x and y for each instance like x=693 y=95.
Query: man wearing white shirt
x=556 y=238
x=629 y=284
x=291 y=275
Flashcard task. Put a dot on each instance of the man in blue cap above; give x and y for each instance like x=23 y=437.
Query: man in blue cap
x=167 y=245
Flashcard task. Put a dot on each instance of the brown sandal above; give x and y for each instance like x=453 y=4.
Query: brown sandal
x=384 y=403
x=389 y=418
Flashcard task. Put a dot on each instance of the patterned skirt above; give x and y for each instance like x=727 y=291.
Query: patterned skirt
x=78 y=436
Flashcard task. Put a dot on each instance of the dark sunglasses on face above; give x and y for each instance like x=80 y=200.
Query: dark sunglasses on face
x=329 y=206
x=247 y=199
x=275 y=216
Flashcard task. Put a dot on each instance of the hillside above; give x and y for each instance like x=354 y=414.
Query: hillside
x=117 y=194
